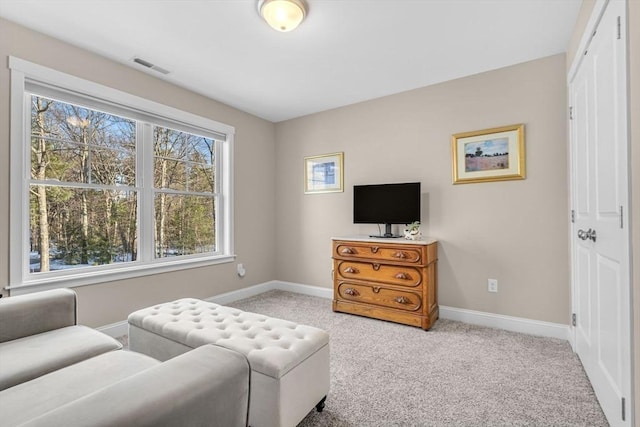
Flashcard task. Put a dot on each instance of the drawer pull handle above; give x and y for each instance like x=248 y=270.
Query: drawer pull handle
x=376 y=289
x=347 y=251
x=375 y=249
x=400 y=255
x=402 y=276
x=351 y=270
x=402 y=300
x=376 y=267
x=352 y=292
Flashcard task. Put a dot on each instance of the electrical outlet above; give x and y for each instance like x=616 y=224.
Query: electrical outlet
x=492 y=285
x=241 y=270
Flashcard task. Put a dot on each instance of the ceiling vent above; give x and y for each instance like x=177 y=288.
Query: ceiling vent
x=150 y=65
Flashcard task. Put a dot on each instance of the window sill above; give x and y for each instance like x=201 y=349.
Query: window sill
x=93 y=277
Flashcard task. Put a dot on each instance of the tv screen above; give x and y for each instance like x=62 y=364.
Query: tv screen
x=386 y=203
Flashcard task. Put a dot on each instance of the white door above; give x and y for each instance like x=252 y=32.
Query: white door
x=600 y=233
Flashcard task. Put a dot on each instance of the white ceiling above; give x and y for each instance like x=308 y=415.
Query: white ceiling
x=346 y=51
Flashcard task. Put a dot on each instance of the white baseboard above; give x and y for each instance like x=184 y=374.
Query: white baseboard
x=115 y=330
x=268 y=286
x=247 y=292
x=508 y=323
x=480 y=318
x=314 y=291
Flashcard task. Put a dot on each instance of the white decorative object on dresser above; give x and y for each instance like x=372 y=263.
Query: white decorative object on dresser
x=388 y=279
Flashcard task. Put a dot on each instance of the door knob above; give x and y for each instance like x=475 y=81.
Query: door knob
x=589 y=234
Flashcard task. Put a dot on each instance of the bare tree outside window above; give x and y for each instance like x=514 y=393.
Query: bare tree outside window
x=184 y=181
x=83 y=198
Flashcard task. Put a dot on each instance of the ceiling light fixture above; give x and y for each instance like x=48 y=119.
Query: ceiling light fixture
x=283 y=15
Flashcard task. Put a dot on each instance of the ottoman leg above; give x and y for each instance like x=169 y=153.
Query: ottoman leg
x=320 y=405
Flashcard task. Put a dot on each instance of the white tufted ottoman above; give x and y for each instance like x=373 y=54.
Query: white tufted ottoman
x=289 y=362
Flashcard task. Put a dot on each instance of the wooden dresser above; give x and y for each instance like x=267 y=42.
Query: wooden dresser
x=388 y=279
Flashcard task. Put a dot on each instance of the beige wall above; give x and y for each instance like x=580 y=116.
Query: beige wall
x=513 y=231
x=633 y=19
x=254 y=180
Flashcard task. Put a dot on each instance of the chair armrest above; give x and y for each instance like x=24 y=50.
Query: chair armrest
x=26 y=315
x=207 y=386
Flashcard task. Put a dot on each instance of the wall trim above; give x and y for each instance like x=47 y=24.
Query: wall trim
x=239 y=294
x=507 y=323
x=115 y=330
x=314 y=291
x=480 y=318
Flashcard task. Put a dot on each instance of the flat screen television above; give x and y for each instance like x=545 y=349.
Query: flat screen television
x=386 y=204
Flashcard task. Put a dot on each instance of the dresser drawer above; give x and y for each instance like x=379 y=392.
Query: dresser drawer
x=380 y=296
x=399 y=275
x=387 y=253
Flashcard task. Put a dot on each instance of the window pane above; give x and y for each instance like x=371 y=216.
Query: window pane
x=113 y=167
x=170 y=173
x=73 y=227
x=75 y=144
x=202 y=150
x=183 y=161
x=184 y=225
x=201 y=179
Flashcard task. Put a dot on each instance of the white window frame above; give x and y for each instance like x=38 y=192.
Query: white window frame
x=20 y=280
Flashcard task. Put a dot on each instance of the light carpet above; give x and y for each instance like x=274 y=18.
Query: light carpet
x=386 y=374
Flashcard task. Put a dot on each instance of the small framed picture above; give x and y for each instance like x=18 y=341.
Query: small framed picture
x=323 y=174
x=495 y=154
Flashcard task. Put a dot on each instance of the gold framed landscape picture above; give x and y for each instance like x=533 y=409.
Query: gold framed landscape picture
x=495 y=154
x=324 y=174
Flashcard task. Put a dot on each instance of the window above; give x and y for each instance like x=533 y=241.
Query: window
x=111 y=185
x=184 y=193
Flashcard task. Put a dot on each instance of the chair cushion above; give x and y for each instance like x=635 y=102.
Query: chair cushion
x=33 y=398
x=27 y=358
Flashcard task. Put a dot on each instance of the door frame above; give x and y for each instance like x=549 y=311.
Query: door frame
x=589 y=31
